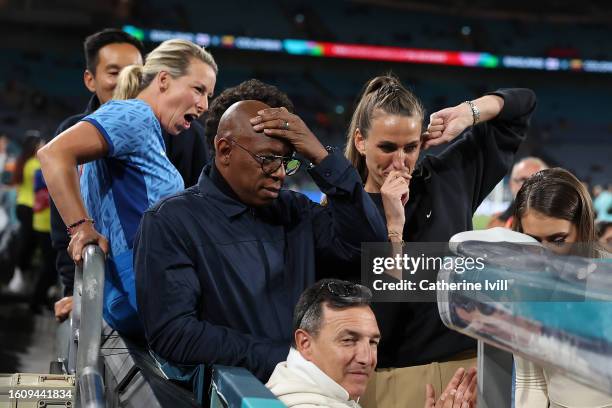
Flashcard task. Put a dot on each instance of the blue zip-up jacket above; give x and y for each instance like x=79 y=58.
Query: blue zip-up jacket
x=217 y=281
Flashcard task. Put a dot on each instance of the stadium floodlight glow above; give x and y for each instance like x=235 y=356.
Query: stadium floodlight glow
x=375 y=52
x=134 y=32
x=202 y=39
x=260 y=44
x=302 y=47
x=597 y=66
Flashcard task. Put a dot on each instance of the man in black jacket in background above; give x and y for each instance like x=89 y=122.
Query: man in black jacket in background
x=107 y=52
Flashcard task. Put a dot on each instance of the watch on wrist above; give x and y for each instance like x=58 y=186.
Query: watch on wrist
x=329 y=149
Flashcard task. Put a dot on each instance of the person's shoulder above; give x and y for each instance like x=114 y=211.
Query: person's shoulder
x=124 y=109
x=69 y=122
x=292 y=207
x=277 y=374
x=285 y=382
x=173 y=206
x=295 y=200
x=289 y=195
x=126 y=120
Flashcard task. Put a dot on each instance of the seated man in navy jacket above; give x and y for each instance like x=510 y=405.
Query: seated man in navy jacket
x=220 y=266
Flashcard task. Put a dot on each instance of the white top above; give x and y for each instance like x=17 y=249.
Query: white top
x=299 y=383
x=537 y=386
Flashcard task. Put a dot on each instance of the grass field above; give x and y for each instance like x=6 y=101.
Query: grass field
x=480 y=221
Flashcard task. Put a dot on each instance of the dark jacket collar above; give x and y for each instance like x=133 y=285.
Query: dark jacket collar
x=213 y=185
x=93 y=104
x=220 y=183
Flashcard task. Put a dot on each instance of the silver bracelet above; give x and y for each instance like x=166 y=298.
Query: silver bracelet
x=475 y=112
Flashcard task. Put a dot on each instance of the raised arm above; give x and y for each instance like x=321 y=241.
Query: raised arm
x=350 y=217
x=484 y=152
x=59 y=159
x=447 y=124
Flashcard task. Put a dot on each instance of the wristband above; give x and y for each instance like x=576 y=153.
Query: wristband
x=76 y=224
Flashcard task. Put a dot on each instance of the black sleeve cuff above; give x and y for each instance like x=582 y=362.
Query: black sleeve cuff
x=330 y=172
x=517 y=102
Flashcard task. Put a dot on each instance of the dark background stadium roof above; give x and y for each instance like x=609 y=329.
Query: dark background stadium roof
x=595 y=11
x=83 y=12
x=41 y=44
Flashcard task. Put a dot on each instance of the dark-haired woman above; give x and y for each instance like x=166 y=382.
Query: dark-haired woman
x=555 y=208
x=428 y=201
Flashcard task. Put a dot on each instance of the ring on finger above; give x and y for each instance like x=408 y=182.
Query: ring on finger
x=286 y=125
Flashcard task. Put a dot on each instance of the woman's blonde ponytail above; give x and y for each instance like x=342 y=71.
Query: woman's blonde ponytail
x=129 y=82
x=173 y=56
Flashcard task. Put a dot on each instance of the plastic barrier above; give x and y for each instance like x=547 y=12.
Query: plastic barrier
x=555 y=311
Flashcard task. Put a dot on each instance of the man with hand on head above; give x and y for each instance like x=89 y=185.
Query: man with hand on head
x=334 y=353
x=220 y=266
x=249 y=89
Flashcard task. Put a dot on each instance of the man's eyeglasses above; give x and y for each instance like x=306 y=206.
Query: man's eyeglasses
x=270 y=163
x=344 y=291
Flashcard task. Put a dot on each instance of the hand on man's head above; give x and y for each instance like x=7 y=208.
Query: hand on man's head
x=280 y=123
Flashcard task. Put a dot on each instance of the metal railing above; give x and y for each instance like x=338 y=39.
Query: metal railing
x=86 y=328
x=231 y=386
